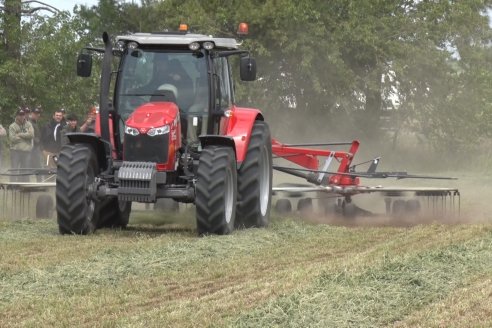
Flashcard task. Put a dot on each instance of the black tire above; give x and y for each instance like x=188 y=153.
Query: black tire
x=283 y=206
x=216 y=191
x=114 y=214
x=44 y=206
x=305 y=205
x=255 y=180
x=76 y=171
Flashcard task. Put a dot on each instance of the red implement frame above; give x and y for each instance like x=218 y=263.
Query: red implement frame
x=308 y=158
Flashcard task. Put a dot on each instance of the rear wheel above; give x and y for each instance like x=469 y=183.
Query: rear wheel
x=76 y=173
x=115 y=214
x=255 y=179
x=216 y=191
x=305 y=205
x=283 y=206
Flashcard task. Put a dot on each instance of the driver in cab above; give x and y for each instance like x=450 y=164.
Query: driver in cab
x=170 y=72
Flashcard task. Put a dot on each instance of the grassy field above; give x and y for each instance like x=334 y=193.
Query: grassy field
x=292 y=274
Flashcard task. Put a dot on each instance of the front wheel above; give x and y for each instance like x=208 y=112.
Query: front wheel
x=216 y=191
x=255 y=179
x=75 y=176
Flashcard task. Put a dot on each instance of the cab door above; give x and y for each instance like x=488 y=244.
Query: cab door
x=223 y=95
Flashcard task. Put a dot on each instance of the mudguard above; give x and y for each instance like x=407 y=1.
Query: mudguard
x=96 y=142
x=239 y=126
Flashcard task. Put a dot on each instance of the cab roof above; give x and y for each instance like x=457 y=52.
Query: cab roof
x=166 y=38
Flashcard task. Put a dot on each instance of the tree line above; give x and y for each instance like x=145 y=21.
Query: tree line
x=364 y=68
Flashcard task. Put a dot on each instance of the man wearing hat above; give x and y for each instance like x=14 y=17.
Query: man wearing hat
x=72 y=126
x=21 y=134
x=35 y=158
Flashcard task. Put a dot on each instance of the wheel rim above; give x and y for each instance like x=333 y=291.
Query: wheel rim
x=229 y=196
x=264 y=181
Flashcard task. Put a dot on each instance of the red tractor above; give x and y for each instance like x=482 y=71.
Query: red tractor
x=168 y=127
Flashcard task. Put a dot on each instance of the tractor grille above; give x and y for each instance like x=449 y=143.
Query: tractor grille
x=137 y=182
x=144 y=148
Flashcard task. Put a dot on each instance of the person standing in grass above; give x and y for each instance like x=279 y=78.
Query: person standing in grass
x=21 y=134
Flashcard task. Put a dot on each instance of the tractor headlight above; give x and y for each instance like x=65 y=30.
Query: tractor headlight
x=131 y=131
x=132 y=45
x=208 y=45
x=194 y=46
x=121 y=46
x=158 y=131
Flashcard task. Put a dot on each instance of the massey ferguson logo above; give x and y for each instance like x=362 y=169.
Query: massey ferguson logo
x=143 y=130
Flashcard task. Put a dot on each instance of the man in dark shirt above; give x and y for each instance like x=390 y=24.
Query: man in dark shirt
x=51 y=138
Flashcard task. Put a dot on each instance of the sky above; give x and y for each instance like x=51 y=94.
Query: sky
x=69 y=4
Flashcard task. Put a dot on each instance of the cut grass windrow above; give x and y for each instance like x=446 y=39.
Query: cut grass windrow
x=290 y=274
x=382 y=294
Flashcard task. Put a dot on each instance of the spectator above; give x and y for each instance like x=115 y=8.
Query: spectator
x=36 y=154
x=72 y=126
x=35 y=160
x=3 y=134
x=51 y=138
x=89 y=125
x=21 y=134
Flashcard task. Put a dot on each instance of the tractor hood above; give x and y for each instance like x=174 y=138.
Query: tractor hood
x=153 y=115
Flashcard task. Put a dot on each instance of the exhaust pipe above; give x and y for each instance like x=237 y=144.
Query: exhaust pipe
x=104 y=94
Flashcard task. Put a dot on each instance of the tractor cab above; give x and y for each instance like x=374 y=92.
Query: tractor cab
x=186 y=70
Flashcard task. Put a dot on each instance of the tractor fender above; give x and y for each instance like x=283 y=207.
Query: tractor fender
x=96 y=142
x=239 y=126
x=214 y=140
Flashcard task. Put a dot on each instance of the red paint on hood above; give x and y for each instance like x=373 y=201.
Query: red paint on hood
x=152 y=115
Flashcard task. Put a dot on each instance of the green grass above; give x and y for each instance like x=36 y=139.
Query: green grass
x=158 y=273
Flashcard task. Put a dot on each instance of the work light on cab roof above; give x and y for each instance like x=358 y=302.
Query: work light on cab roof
x=243 y=29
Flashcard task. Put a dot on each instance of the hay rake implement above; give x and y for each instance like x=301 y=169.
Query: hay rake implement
x=335 y=189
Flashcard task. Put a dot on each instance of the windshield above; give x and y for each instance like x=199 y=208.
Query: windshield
x=150 y=75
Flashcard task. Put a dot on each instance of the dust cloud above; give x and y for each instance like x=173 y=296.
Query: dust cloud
x=410 y=155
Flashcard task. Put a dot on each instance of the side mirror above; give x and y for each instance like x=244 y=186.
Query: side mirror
x=247 y=68
x=84 y=65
